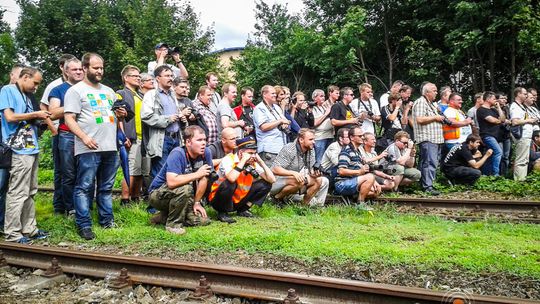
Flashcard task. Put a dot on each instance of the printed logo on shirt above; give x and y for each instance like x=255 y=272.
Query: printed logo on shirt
x=349 y=115
x=101 y=108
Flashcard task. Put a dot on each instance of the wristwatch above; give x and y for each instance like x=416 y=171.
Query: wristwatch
x=238 y=169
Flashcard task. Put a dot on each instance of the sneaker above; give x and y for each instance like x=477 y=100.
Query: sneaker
x=109 y=225
x=71 y=214
x=87 y=233
x=176 y=230
x=224 y=217
x=124 y=202
x=362 y=206
x=432 y=192
x=245 y=213
x=205 y=221
x=151 y=210
x=39 y=235
x=24 y=240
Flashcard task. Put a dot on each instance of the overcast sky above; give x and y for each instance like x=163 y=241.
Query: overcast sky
x=233 y=20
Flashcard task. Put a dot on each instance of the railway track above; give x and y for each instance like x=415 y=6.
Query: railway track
x=233 y=281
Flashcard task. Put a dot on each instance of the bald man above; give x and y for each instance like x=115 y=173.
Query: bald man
x=226 y=145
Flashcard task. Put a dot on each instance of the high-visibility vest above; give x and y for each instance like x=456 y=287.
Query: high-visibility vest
x=243 y=185
x=450 y=132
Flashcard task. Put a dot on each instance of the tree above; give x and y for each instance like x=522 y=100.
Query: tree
x=8 y=53
x=122 y=32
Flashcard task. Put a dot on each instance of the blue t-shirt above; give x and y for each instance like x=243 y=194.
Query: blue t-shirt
x=59 y=92
x=12 y=98
x=178 y=163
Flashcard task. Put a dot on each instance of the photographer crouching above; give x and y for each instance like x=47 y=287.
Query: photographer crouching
x=399 y=161
x=181 y=183
x=244 y=180
x=298 y=173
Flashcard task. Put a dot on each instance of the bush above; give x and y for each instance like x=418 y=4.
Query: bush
x=45 y=151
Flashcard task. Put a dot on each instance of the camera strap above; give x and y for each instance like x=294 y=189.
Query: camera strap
x=25 y=98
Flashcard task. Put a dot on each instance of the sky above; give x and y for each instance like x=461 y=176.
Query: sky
x=232 y=20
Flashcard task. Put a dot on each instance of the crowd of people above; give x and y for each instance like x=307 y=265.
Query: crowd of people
x=183 y=156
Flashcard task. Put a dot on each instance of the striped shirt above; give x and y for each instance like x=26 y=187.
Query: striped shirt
x=349 y=158
x=431 y=132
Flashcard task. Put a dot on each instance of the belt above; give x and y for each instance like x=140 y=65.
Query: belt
x=172 y=134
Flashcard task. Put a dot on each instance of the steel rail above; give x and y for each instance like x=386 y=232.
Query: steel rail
x=234 y=281
x=485 y=205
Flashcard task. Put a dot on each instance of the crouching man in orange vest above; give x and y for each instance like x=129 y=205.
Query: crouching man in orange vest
x=244 y=180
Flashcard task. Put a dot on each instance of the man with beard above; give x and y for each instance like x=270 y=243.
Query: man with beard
x=18 y=115
x=244 y=111
x=89 y=115
x=244 y=180
x=66 y=140
x=208 y=118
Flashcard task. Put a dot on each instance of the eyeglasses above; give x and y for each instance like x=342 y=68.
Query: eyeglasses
x=404 y=142
x=146 y=80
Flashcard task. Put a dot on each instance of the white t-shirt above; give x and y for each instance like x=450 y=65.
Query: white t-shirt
x=152 y=65
x=45 y=98
x=519 y=112
x=371 y=106
x=325 y=130
x=464 y=132
x=384 y=99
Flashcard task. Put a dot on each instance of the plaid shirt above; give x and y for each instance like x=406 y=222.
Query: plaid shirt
x=431 y=132
x=291 y=158
x=210 y=120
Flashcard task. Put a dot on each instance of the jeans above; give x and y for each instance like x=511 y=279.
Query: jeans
x=95 y=168
x=429 y=160
x=493 y=164
x=505 y=145
x=68 y=169
x=4 y=180
x=58 y=201
x=463 y=175
x=320 y=147
x=169 y=144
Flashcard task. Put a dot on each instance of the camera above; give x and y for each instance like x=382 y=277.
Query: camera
x=173 y=50
x=374 y=167
x=390 y=171
x=312 y=104
x=249 y=169
x=390 y=158
x=285 y=130
x=369 y=113
x=446 y=121
x=317 y=167
x=213 y=176
x=195 y=112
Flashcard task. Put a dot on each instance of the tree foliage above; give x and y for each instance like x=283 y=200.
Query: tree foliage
x=122 y=31
x=7 y=49
x=471 y=45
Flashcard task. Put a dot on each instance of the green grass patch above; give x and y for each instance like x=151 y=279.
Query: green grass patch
x=337 y=233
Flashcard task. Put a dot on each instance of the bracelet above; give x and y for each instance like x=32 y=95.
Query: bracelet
x=238 y=169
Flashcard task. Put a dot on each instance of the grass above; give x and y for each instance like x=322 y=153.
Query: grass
x=335 y=232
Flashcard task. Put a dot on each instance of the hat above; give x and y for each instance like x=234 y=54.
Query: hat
x=246 y=143
x=161 y=44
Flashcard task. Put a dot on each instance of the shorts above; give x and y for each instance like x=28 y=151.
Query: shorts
x=346 y=186
x=409 y=173
x=138 y=165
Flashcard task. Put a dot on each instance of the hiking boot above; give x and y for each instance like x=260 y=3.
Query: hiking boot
x=87 y=233
x=158 y=219
x=224 y=217
x=176 y=230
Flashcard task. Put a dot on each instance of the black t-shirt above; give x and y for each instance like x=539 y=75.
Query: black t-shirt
x=390 y=127
x=340 y=111
x=304 y=119
x=216 y=149
x=458 y=156
x=487 y=128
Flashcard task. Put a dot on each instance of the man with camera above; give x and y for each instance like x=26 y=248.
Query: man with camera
x=161 y=115
x=90 y=116
x=428 y=133
x=521 y=119
x=19 y=132
x=302 y=110
x=399 y=161
x=163 y=52
x=244 y=111
x=354 y=177
x=298 y=173
x=271 y=126
x=394 y=89
x=185 y=105
x=181 y=184
x=244 y=180
x=341 y=114
x=367 y=108
x=461 y=166
x=383 y=180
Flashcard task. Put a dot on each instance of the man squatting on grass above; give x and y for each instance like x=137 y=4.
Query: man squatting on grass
x=181 y=183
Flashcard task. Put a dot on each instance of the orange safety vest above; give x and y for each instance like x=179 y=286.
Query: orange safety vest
x=450 y=132
x=243 y=185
